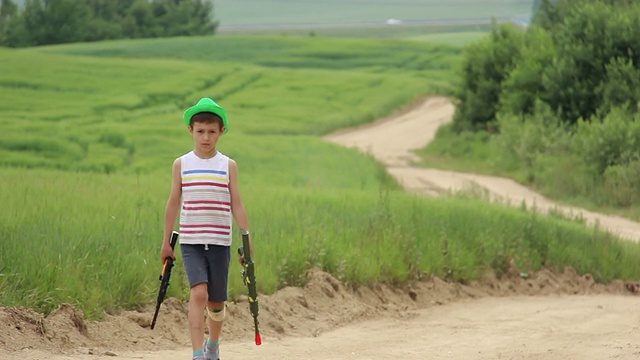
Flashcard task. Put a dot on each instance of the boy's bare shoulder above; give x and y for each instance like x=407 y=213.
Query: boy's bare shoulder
x=177 y=164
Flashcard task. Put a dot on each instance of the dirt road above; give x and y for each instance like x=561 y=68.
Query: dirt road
x=596 y=324
x=542 y=328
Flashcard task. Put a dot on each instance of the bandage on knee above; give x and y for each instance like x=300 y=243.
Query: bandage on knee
x=217 y=315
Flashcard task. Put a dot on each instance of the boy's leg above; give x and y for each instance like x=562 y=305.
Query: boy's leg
x=215 y=317
x=195 y=264
x=197 y=304
x=218 y=258
x=214 y=320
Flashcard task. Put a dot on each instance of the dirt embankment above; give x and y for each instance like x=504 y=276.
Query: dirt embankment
x=290 y=316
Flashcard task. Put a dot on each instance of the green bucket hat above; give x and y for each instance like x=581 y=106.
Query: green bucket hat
x=207 y=105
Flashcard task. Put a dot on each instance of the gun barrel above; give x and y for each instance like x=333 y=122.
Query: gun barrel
x=249 y=278
x=155 y=316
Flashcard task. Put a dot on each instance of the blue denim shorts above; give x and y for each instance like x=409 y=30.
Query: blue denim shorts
x=208 y=265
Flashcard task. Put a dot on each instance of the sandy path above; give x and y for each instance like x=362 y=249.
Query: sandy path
x=563 y=328
x=537 y=327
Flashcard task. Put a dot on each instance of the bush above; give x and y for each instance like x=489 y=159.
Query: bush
x=622 y=184
x=523 y=138
x=611 y=141
x=485 y=66
x=621 y=86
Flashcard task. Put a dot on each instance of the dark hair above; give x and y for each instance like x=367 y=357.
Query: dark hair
x=206 y=118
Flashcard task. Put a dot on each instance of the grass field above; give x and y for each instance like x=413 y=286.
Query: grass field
x=88 y=133
x=112 y=114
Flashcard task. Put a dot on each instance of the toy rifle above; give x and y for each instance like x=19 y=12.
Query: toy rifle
x=164 y=278
x=249 y=279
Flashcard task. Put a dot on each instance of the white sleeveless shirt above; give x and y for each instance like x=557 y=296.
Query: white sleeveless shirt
x=205 y=216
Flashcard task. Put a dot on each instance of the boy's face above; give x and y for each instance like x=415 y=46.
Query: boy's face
x=206 y=135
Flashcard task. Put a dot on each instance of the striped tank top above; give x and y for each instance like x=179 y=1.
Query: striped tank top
x=205 y=216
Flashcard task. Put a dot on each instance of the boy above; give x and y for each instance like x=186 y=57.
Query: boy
x=205 y=192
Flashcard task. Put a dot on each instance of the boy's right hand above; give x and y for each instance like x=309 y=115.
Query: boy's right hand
x=167 y=252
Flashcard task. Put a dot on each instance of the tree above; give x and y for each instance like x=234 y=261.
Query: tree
x=546 y=13
x=61 y=21
x=108 y=17
x=524 y=84
x=596 y=43
x=8 y=9
x=8 y=13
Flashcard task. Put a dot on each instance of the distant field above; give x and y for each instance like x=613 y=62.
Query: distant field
x=255 y=12
x=455 y=35
x=360 y=55
x=468 y=20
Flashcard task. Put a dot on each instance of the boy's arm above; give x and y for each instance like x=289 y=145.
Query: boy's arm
x=172 y=209
x=237 y=207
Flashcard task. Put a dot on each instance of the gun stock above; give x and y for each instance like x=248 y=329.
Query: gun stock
x=249 y=279
x=164 y=279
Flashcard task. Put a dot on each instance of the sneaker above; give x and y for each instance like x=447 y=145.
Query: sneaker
x=211 y=353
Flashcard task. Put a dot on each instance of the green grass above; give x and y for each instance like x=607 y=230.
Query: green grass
x=453 y=38
x=469 y=151
x=434 y=62
x=88 y=137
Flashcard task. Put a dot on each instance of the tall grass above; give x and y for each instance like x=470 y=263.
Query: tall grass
x=98 y=248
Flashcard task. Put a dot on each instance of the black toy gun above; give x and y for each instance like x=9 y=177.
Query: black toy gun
x=249 y=279
x=164 y=278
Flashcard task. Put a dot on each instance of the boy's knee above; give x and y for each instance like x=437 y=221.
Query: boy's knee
x=199 y=293
x=215 y=305
x=216 y=311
